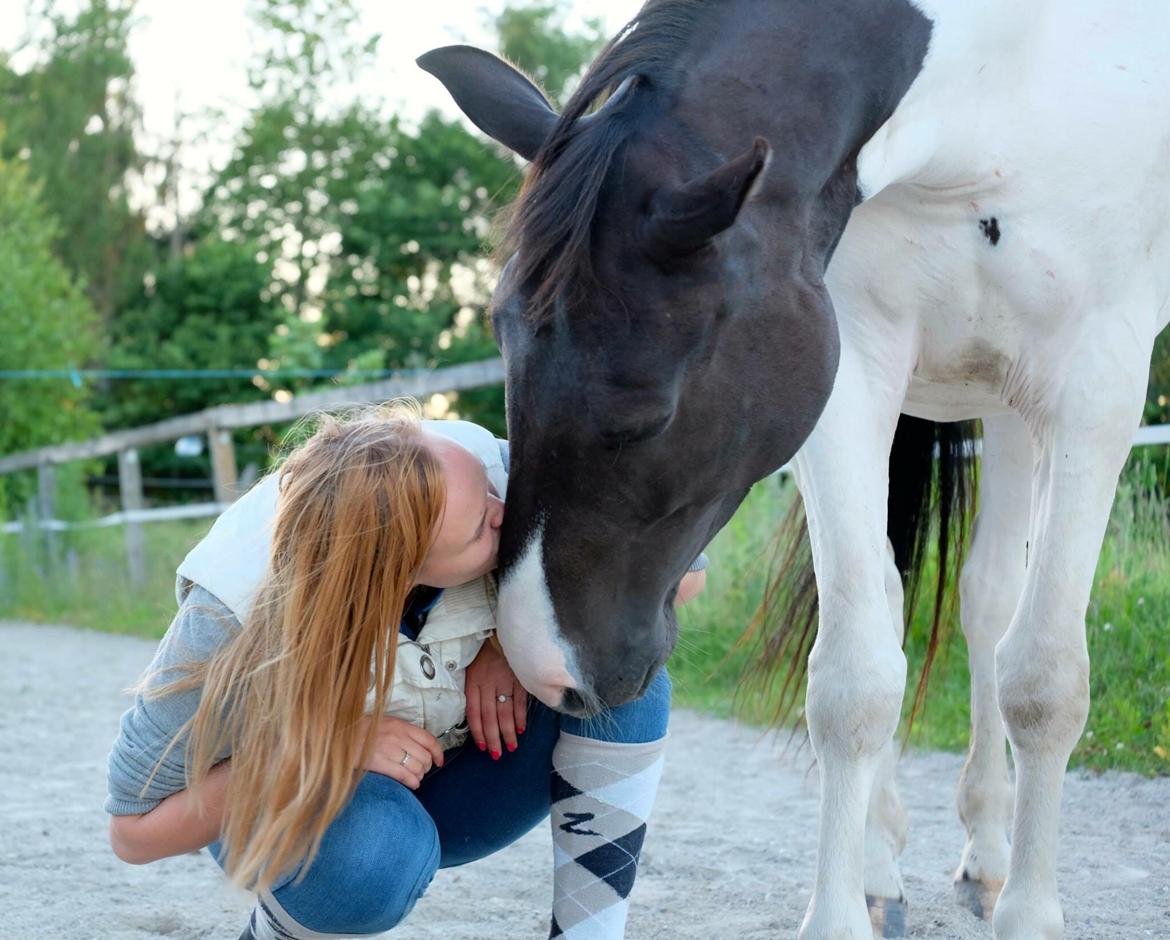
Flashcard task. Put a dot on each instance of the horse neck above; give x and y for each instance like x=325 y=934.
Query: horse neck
x=816 y=79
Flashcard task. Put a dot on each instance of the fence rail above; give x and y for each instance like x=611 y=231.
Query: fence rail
x=248 y=415
x=217 y=424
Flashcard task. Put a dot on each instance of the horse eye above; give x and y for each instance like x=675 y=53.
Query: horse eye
x=619 y=433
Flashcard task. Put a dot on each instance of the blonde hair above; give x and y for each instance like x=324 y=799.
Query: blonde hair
x=359 y=507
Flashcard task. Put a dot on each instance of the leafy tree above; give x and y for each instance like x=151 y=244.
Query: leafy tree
x=409 y=279
x=298 y=157
x=72 y=119
x=46 y=322
x=203 y=310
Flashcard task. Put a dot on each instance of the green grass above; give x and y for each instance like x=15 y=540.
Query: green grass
x=1128 y=620
x=1128 y=634
x=90 y=584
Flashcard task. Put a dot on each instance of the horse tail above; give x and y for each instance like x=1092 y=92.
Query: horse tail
x=932 y=473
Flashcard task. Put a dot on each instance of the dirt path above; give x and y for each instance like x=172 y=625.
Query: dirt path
x=729 y=854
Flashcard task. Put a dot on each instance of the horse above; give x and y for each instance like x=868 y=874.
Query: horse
x=825 y=231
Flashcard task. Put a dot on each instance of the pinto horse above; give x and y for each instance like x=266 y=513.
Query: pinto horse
x=767 y=228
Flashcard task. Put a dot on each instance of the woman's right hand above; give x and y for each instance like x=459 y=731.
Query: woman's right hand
x=402 y=751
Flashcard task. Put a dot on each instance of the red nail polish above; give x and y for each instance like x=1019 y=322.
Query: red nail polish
x=519 y=730
x=482 y=746
x=511 y=747
x=495 y=755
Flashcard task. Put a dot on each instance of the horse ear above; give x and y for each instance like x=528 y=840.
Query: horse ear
x=685 y=218
x=498 y=99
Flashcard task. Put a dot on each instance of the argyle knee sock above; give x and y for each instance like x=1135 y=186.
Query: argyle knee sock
x=602 y=794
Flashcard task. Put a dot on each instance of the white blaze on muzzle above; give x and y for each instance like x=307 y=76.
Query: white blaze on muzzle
x=543 y=661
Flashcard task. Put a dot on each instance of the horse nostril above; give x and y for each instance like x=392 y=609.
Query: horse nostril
x=574 y=703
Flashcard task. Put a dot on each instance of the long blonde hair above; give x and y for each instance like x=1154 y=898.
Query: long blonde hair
x=359 y=507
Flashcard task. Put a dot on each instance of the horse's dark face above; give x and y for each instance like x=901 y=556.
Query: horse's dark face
x=644 y=399
x=637 y=428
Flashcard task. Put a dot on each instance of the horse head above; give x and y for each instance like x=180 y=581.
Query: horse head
x=666 y=333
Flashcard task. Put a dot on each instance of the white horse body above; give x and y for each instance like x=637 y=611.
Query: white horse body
x=1011 y=262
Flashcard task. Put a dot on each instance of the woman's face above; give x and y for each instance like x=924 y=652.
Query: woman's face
x=469 y=530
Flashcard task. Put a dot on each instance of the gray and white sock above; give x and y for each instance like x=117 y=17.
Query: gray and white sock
x=602 y=794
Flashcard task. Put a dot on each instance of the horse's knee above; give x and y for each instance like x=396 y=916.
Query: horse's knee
x=857 y=677
x=1043 y=693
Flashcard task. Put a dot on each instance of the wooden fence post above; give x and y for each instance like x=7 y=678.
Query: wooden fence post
x=30 y=537
x=130 y=487
x=47 y=508
x=223 y=464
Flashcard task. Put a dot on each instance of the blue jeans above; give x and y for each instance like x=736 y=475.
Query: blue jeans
x=381 y=852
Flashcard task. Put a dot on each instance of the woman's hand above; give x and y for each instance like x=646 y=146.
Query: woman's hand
x=402 y=751
x=488 y=678
x=690 y=587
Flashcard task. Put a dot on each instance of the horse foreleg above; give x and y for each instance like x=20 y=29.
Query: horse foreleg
x=886 y=822
x=1042 y=662
x=857 y=671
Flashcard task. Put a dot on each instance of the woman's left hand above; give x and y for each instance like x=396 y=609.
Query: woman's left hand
x=494 y=724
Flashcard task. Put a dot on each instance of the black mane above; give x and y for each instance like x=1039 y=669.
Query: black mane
x=552 y=223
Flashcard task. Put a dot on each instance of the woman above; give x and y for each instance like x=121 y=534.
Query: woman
x=360 y=573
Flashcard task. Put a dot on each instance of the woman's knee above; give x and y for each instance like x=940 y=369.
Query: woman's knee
x=375 y=862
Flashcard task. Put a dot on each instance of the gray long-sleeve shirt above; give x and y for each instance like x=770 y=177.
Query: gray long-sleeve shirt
x=201 y=626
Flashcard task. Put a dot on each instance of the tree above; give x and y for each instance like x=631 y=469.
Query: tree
x=298 y=158
x=409 y=279
x=46 y=323
x=204 y=310
x=72 y=119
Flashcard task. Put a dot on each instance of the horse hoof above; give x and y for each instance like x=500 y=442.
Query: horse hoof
x=887 y=915
x=977 y=896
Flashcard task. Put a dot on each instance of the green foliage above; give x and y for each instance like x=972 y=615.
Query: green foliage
x=45 y=323
x=534 y=37
x=72 y=118
x=407 y=279
x=208 y=308
x=203 y=310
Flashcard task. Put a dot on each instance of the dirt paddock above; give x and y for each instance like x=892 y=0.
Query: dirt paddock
x=730 y=851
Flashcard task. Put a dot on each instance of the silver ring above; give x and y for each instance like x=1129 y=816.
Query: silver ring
x=405 y=757
x=503 y=699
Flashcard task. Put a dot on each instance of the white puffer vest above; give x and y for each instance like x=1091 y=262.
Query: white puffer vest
x=232 y=560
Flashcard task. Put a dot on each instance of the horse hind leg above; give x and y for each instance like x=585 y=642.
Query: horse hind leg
x=989 y=588
x=886 y=822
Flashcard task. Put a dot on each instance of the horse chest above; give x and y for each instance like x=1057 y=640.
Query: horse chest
x=1016 y=204
x=960 y=289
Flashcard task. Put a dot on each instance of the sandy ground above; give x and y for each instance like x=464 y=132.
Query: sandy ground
x=729 y=854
